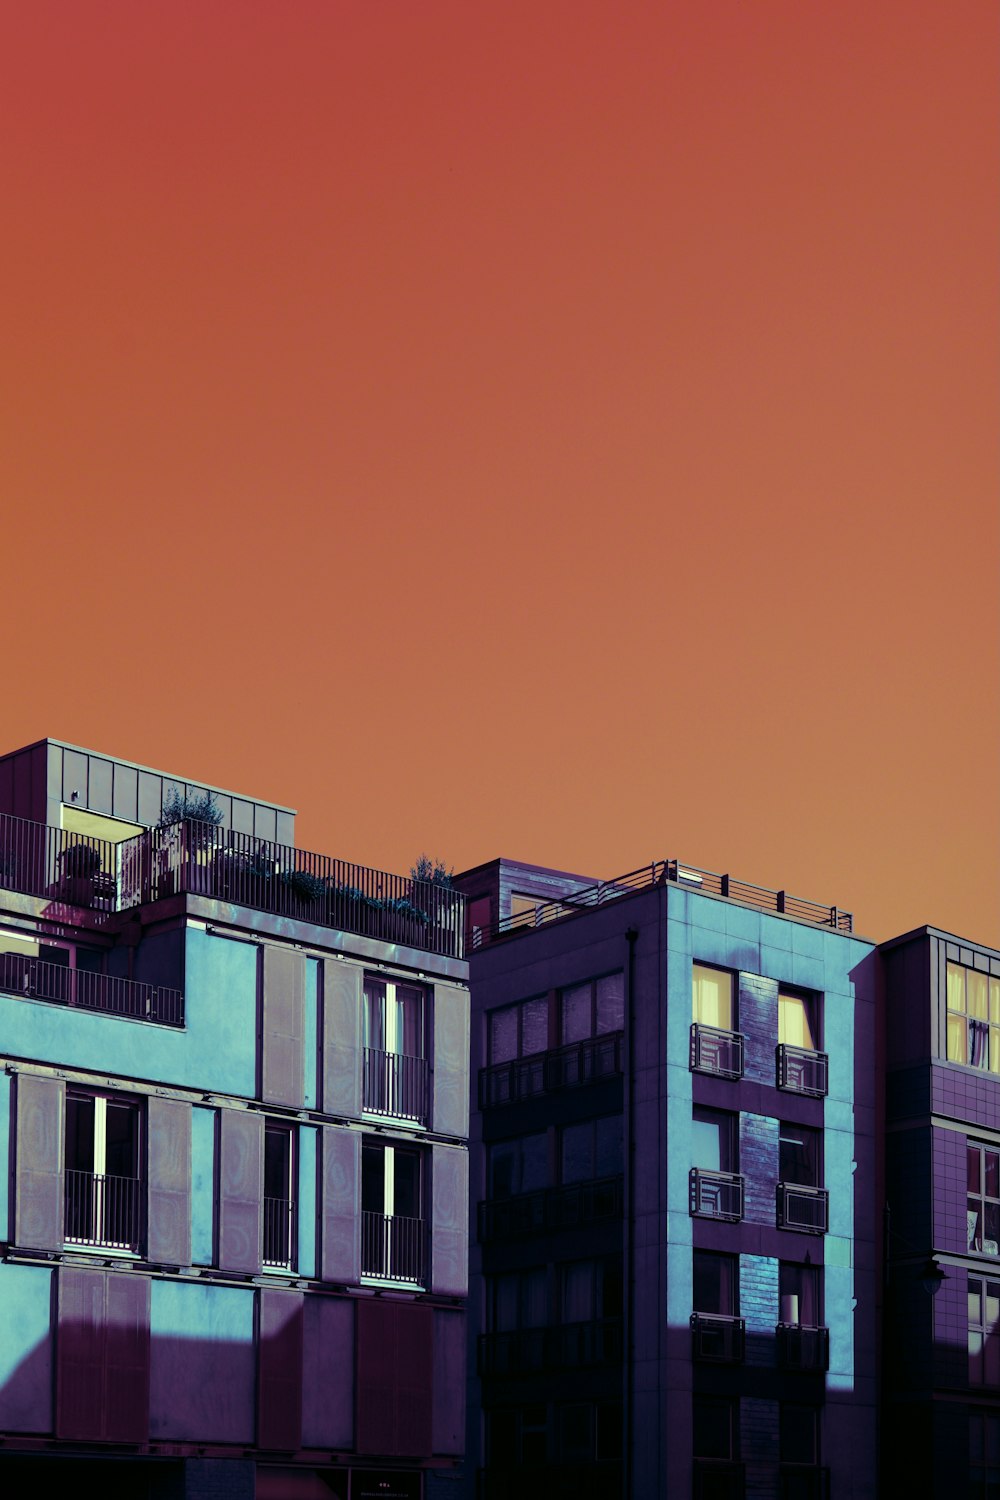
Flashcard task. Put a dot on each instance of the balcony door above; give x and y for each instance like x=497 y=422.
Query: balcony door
x=392 y=1231
x=393 y=1039
x=102 y=1171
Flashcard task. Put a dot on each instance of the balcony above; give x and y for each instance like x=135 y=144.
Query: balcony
x=717 y=1338
x=38 y=979
x=564 y=1346
x=590 y=1061
x=716 y=1195
x=718 y=1479
x=279 y=1220
x=103 y=1211
x=395 y=1085
x=200 y=859
x=803 y=1208
x=715 y=1051
x=392 y=1248
x=801 y=1347
x=801 y=1071
x=550 y=1209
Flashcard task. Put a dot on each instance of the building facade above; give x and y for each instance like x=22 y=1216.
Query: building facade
x=941 y=1433
x=675 y=1253
x=234 y=1106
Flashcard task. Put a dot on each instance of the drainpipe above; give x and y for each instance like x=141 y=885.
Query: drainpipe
x=628 y=1279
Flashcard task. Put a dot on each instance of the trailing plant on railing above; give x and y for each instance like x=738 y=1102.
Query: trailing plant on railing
x=307 y=887
x=398 y=905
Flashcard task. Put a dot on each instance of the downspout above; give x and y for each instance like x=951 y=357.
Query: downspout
x=628 y=1280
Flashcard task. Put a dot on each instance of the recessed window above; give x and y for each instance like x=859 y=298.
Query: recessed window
x=798 y=1019
x=279 y=1198
x=712 y=997
x=984 y=1331
x=518 y=1030
x=799 y=1155
x=395 y=1068
x=392 y=1229
x=592 y=1149
x=799 y=1434
x=517 y=1299
x=716 y=1285
x=518 y=1166
x=592 y=1009
x=973 y=1018
x=714 y=1427
x=103 y=1178
x=983 y=1201
x=714 y=1140
x=799 y=1295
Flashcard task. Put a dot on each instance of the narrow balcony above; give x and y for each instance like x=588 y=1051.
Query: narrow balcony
x=392 y=1248
x=716 y=1051
x=590 y=1061
x=395 y=1085
x=801 y=1347
x=66 y=868
x=803 y=1208
x=38 y=979
x=716 y=1195
x=279 y=1221
x=718 y=1479
x=718 y=1339
x=103 y=1211
x=801 y=1071
x=549 y=1209
x=563 y=1346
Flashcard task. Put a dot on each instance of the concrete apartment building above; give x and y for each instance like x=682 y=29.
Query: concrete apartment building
x=234 y=1107
x=675 y=1248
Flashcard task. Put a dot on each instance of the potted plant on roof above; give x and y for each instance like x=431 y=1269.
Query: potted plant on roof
x=80 y=864
x=432 y=889
x=187 y=831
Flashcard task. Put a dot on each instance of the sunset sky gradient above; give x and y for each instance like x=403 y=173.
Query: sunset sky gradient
x=556 y=428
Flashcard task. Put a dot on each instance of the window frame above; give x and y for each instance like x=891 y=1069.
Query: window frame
x=87 y=1193
x=989 y=1203
x=280 y=1226
x=984 y=1333
x=518 y=1007
x=734 y=995
x=959 y=1021
x=400 y=1246
x=592 y=1031
x=812 y=1004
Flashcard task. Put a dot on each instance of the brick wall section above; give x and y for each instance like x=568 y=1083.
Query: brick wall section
x=758 y=1020
x=759 y=1306
x=759 y=1447
x=759 y=1165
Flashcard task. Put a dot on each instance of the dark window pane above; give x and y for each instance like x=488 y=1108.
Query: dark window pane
x=799 y=1435
x=972 y=1178
x=713 y=1428
x=406 y=1187
x=373 y=1179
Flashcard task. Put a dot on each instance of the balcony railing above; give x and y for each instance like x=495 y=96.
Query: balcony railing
x=103 y=1211
x=801 y=1071
x=549 y=1209
x=279 y=1217
x=716 y=1051
x=392 y=1247
x=590 y=1061
x=663 y=872
x=565 y=1346
x=64 y=867
x=395 y=1085
x=39 y=979
x=717 y=1338
x=803 y=1208
x=718 y=1479
x=716 y=1195
x=802 y=1348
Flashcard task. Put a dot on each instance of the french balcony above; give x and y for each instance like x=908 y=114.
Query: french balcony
x=395 y=1085
x=279 y=1220
x=392 y=1248
x=806 y=1209
x=38 y=979
x=804 y=1482
x=801 y=1071
x=801 y=1347
x=718 y=1479
x=718 y=1339
x=103 y=1211
x=572 y=1206
x=564 y=1346
x=581 y=1063
x=716 y=1195
x=716 y=1051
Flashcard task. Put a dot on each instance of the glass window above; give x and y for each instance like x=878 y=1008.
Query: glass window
x=592 y=1149
x=714 y=1434
x=798 y=1020
x=983 y=1198
x=595 y=1008
x=799 y=1295
x=518 y=1299
x=984 y=1454
x=102 y=1170
x=973 y=1002
x=799 y=1151
x=518 y=1030
x=984 y=1331
x=713 y=1140
x=712 y=998
x=518 y=1166
x=715 y=1284
x=278 y=1195
x=799 y=1434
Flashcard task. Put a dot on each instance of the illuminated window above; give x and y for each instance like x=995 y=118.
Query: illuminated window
x=983 y=1201
x=798 y=1020
x=973 y=1018
x=712 y=1001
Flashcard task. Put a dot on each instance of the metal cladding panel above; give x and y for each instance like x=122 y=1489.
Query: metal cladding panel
x=168 y=1236
x=450 y=1219
x=38 y=1179
x=448 y=1423
x=125 y=797
x=451 y=1061
x=101 y=794
x=81 y=1336
x=328 y=1394
x=340 y=1250
x=126 y=1374
x=395 y=1376
x=342 y=984
x=284 y=989
x=241 y=1189
x=279 y=1369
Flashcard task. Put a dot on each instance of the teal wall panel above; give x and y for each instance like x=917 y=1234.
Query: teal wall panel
x=311 y=1035
x=4 y=1156
x=26 y=1377
x=308 y=1137
x=202 y=1363
x=203 y=1132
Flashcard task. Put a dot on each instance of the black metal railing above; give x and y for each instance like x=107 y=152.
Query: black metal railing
x=392 y=1247
x=803 y=1208
x=718 y=1479
x=204 y=860
x=663 y=872
x=562 y=1346
x=38 y=979
x=395 y=1084
x=801 y=1347
x=65 y=867
x=717 y=1338
x=590 y=1061
x=716 y=1195
x=716 y=1051
x=103 y=1211
x=801 y=1071
x=279 y=1217
x=547 y=1209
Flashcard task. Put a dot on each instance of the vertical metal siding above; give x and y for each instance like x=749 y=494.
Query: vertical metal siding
x=38 y=1155
x=451 y=1060
x=450 y=1220
x=279 y=1369
x=241 y=1189
x=341 y=1205
x=341 y=1038
x=284 y=1026
x=169 y=1157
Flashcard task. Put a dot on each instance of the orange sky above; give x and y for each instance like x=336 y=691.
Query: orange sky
x=557 y=428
